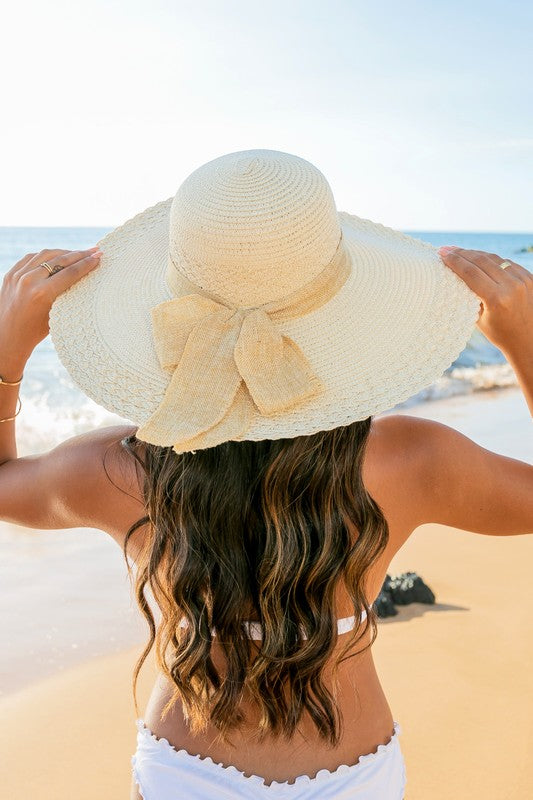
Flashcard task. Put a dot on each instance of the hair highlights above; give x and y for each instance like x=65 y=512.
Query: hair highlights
x=264 y=529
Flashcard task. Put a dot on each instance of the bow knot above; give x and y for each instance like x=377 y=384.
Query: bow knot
x=229 y=363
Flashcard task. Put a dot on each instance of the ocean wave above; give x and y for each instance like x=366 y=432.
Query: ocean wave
x=465 y=380
x=43 y=425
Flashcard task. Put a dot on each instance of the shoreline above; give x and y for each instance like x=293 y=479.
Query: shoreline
x=76 y=603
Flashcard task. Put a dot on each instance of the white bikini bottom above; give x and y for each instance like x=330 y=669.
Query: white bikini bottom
x=164 y=773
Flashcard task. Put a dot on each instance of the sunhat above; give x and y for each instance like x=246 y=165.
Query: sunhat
x=247 y=307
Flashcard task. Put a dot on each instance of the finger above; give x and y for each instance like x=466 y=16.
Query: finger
x=66 y=259
x=20 y=263
x=37 y=258
x=516 y=270
x=472 y=274
x=68 y=276
x=490 y=264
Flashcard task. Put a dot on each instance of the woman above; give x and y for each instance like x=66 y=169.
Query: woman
x=251 y=333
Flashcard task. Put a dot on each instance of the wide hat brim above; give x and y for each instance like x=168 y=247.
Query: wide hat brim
x=395 y=326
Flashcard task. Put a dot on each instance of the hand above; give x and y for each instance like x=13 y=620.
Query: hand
x=27 y=293
x=506 y=317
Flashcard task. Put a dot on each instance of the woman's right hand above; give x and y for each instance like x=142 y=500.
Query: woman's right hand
x=506 y=295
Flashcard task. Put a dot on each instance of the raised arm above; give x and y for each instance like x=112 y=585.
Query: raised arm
x=86 y=481
x=26 y=296
x=462 y=484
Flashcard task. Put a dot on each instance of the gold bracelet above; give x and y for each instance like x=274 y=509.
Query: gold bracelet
x=7 y=383
x=8 y=419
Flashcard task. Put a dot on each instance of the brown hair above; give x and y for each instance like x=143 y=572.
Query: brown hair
x=269 y=526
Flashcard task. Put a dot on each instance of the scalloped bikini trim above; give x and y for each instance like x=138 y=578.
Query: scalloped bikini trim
x=321 y=775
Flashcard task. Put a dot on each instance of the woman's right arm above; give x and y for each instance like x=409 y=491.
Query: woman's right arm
x=460 y=483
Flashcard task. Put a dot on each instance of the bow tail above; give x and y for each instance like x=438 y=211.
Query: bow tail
x=275 y=370
x=202 y=399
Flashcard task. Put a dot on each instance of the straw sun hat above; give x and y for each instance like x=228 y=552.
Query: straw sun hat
x=248 y=307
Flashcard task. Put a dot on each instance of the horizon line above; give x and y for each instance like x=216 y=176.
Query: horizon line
x=404 y=230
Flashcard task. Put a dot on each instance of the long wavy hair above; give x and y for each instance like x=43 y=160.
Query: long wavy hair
x=266 y=528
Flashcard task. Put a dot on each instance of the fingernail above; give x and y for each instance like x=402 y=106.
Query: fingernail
x=447 y=248
x=96 y=255
x=92 y=249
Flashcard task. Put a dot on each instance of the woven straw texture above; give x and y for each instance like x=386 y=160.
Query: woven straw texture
x=250 y=228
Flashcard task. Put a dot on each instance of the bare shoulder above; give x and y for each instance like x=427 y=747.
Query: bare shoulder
x=393 y=471
x=397 y=430
x=105 y=459
x=103 y=447
x=106 y=487
x=404 y=442
x=89 y=480
x=426 y=471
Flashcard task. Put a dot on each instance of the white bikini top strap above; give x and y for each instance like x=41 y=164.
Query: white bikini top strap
x=254 y=630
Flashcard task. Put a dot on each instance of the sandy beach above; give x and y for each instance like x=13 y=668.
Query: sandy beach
x=457 y=674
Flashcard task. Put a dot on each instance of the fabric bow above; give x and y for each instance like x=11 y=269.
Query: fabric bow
x=228 y=363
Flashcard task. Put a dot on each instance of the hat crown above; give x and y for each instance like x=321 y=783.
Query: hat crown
x=253 y=226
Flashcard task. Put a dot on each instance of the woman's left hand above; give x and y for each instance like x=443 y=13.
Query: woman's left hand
x=27 y=293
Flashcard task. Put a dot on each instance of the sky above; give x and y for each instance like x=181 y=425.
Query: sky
x=419 y=114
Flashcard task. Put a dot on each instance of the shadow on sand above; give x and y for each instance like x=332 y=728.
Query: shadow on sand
x=413 y=610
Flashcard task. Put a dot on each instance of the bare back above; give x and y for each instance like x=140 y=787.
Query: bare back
x=368 y=720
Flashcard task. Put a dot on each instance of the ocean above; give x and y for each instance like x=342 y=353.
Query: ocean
x=64 y=596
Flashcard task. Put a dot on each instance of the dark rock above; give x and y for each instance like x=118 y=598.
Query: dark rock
x=408 y=587
x=384 y=606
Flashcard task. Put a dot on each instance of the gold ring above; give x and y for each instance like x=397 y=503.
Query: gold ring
x=505 y=264
x=47 y=266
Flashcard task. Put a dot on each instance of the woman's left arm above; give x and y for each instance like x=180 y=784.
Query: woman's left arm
x=68 y=486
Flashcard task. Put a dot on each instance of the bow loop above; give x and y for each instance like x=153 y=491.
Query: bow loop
x=172 y=322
